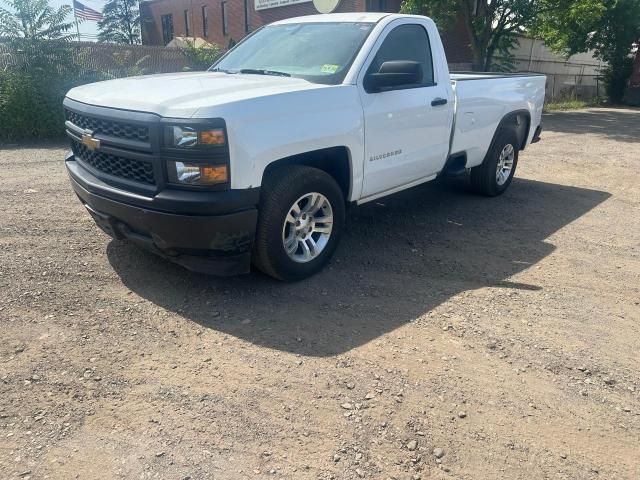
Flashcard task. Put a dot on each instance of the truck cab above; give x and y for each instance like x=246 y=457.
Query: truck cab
x=255 y=160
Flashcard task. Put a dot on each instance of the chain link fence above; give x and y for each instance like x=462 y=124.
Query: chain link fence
x=114 y=60
x=574 y=87
x=108 y=59
x=36 y=75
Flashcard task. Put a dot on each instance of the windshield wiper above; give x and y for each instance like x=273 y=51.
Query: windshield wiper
x=256 y=71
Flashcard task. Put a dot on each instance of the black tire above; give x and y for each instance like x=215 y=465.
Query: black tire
x=280 y=189
x=483 y=177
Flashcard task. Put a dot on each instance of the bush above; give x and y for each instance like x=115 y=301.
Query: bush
x=29 y=107
x=200 y=57
x=38 y=73
x=33 y=87
x=616 y=78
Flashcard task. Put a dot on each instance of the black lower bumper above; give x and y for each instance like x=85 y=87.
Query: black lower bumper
x=217 y=244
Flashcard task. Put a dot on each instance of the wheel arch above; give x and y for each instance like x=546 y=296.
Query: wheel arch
x=521 y=121
x=336 y=161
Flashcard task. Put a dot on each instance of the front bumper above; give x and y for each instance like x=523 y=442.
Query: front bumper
x=208 y=232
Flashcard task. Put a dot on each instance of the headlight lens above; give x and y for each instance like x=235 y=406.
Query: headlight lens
x=187 y=137
x=189 y=173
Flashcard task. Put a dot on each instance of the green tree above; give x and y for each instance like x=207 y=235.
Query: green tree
x=121 y=22
x=608 y=27
x=35 y=20
x=492 y=25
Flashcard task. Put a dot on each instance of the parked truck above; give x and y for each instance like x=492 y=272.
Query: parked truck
x=256 y=160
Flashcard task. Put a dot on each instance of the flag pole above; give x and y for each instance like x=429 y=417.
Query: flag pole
x=75 y=17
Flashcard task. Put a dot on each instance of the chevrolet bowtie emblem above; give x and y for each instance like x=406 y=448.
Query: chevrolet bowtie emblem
x=90 y=142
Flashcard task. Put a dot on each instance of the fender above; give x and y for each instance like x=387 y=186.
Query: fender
x=514 y=118
x=269 y=129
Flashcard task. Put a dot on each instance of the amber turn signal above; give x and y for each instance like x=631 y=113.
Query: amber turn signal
x=212 y=137
x=217 y=174
x=190 y=173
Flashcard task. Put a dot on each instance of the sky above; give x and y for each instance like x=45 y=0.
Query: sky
x=88 y=29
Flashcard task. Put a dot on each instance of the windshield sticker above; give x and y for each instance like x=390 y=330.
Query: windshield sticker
x=328 y=68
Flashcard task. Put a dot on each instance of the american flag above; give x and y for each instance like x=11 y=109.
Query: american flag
x=86 y=13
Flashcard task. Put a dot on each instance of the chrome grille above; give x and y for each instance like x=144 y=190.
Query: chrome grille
x=126 y=168
x=112 y=128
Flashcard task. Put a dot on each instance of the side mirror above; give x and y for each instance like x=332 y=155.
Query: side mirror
x=394 y=74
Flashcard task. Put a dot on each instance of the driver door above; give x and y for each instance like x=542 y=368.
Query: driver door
x=406 y=127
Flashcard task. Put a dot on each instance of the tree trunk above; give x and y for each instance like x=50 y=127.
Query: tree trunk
x=471 y=11
x=478 y=60
x=482 y=56
x=488 y=56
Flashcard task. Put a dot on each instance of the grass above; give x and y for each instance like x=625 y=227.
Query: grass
x=567 y=104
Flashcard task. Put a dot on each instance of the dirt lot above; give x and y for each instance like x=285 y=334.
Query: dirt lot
x=453 y=337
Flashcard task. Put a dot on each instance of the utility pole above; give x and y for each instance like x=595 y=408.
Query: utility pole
x=73 y=3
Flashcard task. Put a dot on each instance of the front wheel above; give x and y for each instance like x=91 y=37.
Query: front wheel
x=494 y=175
x=300 y=221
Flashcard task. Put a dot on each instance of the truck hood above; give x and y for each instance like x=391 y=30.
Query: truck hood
x=181 y=95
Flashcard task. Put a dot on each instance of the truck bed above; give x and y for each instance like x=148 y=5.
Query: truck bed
x=483 y=99
x=488 y=75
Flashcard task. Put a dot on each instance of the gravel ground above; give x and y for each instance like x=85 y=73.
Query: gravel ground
x=452 y=337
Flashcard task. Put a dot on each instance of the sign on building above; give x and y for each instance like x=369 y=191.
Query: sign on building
x=264 y=4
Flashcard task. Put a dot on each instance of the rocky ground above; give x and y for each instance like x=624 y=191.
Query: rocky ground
x=453 y=336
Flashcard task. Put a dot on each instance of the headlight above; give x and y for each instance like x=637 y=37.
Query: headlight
x=187 y=137
x=190 y=173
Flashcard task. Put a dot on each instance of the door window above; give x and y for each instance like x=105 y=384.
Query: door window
x=406 y=42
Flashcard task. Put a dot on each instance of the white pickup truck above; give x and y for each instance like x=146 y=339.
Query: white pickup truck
x=256 y=159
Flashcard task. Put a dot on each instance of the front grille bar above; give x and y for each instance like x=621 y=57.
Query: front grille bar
x=126 y=168
x=128 y=144
x=111 y=128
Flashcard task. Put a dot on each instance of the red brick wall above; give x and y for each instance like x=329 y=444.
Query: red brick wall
x=152 y=27
x=455 y=41
x=635 y=76
x=456 y=45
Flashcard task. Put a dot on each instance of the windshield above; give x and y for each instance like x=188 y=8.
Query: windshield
x=318 y=52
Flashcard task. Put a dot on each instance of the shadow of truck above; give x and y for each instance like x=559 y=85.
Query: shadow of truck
x=399 y=258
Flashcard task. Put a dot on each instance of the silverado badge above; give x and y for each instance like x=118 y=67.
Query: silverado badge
x=90 y=142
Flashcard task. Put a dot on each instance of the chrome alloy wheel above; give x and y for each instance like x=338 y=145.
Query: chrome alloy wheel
x=505 y=164
x=307 y=227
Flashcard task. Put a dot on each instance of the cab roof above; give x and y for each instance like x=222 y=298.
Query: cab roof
x=355 y=17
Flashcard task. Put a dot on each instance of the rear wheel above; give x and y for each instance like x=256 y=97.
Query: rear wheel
x=299 y=224
x=495 y=174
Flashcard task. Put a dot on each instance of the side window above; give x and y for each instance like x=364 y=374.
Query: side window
x=406 y=42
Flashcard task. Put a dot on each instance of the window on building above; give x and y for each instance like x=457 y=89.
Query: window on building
x=205 y=21
x=247 y=22
x=406 y=42
x=376 y=5
x=167 y=28
x=225 y=26
x=187 y=24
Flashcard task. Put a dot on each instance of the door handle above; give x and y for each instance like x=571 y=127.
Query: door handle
x=436 y=102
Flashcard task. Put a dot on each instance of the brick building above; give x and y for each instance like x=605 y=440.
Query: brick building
x=226 y=21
